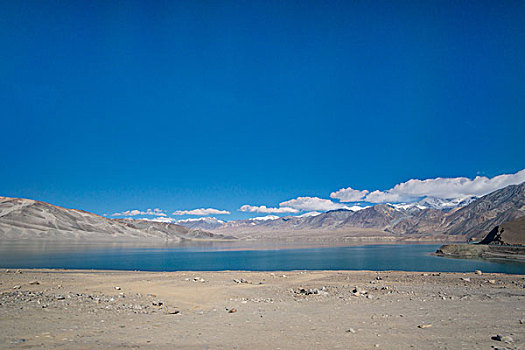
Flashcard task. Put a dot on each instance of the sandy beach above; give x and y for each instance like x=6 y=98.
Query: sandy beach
x=69 y=309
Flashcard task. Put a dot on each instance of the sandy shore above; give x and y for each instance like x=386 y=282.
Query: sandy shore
x=260 y=310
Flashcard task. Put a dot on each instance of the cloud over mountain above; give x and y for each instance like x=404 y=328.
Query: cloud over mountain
x=313 y=204
x=349 y=195
x=445 y=188
x=160 y=219
x=135 y=212
x=201 y=212
x=268 y=210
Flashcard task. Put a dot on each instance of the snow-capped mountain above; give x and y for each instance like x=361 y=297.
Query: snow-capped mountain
x=207 y=223
x=430 y=216
x=434 y=203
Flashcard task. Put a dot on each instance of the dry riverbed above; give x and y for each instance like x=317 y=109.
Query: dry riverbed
x=261 y=310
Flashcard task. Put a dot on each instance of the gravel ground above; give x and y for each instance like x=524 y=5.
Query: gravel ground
x=261 y=310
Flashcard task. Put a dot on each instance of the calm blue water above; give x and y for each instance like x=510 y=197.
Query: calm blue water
x=227 y=257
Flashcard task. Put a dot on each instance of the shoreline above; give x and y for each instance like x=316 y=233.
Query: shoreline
x=245 y=244
x=83 y=309
x=506 y=253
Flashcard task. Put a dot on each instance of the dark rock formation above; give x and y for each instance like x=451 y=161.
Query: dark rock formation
x=509 y=233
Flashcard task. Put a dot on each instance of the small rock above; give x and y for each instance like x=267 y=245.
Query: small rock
x=18 y=341
x=503 y=338
x=117 y=288
x=522 y=321
x=232 y=310
x=466 y=279
x=16 y=287
x=492 y=281
x=424 y=326
x=478 y=272
x=173 y=312
x=34 y=283
x=350 y=330
x=236 y=280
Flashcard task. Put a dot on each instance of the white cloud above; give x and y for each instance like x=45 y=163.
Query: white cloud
x=161 y=219
x=135 y=212
x=312 y=204
x=444 y=188
x=349 y=195
x=201 y=212
x=265 y=218
x=265 y=209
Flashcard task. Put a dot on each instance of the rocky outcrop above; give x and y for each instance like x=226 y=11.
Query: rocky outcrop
x=484 y=251
x=506 y=241
x=509 y=233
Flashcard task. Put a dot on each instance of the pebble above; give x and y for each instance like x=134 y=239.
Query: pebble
x=424 y=326
x=308 y=291
x=466 y=279
x=33 y=283
x=492 y=281
x=350 y=330
x=117 y=288
x=478 y=272
x=232 y=310
x=242 y=280
x=503 y=338
x=18 y=341
x=16 y=287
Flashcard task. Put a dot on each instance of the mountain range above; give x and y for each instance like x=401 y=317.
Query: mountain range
x=426 y=220
x=467 y=219
x=30 y=219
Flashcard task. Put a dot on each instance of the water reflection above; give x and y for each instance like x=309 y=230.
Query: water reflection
x=237 y=255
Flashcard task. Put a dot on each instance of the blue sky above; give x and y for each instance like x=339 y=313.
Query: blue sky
x=109 y=106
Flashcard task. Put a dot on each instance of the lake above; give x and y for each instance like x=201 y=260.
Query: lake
x=218 y=256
